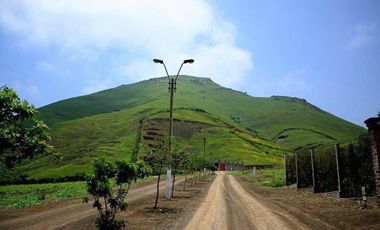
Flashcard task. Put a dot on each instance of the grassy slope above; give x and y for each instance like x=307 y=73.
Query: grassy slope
x=113 y=135
x=268 y=117
x=106 y=123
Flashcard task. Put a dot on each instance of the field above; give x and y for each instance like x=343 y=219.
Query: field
x=268 y=177
x=17 y=196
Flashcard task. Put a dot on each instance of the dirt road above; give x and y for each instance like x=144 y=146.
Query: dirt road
x=229 y=206
x=60 y=217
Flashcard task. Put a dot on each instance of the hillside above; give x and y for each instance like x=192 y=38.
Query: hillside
x=238 y=127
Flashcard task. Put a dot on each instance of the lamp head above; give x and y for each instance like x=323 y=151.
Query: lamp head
x=158 y=61
x=190 y=61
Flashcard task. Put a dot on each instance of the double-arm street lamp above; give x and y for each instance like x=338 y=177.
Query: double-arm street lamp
x=172 y=87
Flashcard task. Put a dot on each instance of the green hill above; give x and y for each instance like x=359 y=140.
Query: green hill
x=238 y=127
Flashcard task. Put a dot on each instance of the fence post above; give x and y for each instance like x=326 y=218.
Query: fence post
x=337 y=151
x=296 y=159
x=312 y=167
x=285 y=168
x=373 y=125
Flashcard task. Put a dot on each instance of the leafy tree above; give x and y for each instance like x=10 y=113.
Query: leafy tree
x=179 y=162
x=22 y=135
x=378 y=114
x=99 y=187
x=211 y=166
x=157 y=159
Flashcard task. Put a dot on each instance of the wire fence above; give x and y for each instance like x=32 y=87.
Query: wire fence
x=342 y=168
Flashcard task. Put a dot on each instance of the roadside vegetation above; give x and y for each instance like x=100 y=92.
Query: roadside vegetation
x=268 y=177
x=18 y=196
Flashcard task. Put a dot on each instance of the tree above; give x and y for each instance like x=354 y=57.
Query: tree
x=22 y=135
x=378 y=114
x=99 y=187
x=179 y=162
x=157 y=159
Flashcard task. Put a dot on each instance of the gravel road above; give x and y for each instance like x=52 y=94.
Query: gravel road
x=229 y=206
x=68 y=215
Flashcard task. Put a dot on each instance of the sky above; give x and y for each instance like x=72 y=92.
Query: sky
x=327 y=52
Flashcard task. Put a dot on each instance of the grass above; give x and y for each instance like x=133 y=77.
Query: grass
x=252 y=130
x=18 y=196
x=269 y=177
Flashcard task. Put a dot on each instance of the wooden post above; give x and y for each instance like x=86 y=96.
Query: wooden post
x=312 y=167
x=337 y=151
x=296 y=159
x=285 y=167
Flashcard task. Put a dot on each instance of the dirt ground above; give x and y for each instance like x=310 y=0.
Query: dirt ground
x=71 y=214
x=314 y=210
x=218 y=202
x=229 y=206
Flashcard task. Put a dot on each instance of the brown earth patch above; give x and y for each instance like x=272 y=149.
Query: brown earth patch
x=315 y=209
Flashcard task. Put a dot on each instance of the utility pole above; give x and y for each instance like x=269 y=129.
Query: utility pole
x=172 y=88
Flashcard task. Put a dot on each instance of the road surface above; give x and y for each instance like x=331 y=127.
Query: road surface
x=229 y=206
x=61 y=217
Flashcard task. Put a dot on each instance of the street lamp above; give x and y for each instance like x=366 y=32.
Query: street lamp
x=172 y=87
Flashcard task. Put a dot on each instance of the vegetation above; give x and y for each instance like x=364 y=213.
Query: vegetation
x=157 y=159
x=269 y=177
x=21 y=134
x=105 y=201
x=18 y=196
x=355 y=167
x=238 y=127
x=180 y=161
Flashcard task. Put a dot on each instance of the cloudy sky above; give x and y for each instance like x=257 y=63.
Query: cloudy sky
x=327 y=52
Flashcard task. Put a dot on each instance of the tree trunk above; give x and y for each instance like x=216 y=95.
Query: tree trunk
x=158 y=190
x=173 y=185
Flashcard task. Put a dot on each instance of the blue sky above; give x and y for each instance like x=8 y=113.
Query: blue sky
x=327 y=52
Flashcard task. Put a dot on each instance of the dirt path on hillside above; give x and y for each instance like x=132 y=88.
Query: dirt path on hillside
x=229 y=206
x=60 y=217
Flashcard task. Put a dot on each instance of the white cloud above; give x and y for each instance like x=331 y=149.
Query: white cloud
x=47 y=67
x=363 y=35
x=145 y=29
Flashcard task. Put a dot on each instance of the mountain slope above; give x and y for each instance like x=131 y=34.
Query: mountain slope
x=269 y=118
x=238 y=127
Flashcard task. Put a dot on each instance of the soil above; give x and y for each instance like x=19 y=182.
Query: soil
x=221 y=202
x=316 y=211
x=229 y=206
x=171 y=214
x=71 y=214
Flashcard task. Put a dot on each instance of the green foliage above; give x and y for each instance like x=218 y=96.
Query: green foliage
x=107 y=124
x=179 y=161
x=18 y=196
x=269 y=177
x=356 y=167
x=21 y=134
x=211 y=166
x=99 y=187
x=157 y=159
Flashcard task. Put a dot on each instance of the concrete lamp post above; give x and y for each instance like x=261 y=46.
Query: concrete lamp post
x=172 y=87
